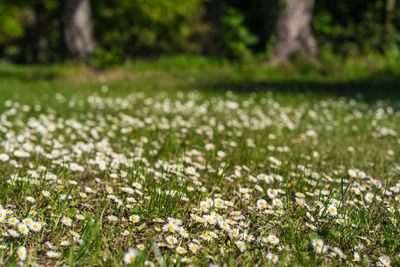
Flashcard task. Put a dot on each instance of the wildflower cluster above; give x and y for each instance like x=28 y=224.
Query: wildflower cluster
x=188 y=179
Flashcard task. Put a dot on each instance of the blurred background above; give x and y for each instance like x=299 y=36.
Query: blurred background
x=106 y=32
x=318 y=36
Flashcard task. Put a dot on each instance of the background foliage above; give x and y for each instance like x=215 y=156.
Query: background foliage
x=126 y=29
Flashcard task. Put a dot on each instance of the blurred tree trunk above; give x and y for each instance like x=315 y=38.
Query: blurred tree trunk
x=293 y=31
x=39 y=42
x=76 y=28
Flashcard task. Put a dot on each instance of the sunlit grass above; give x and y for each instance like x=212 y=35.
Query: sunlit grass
x=117 y=168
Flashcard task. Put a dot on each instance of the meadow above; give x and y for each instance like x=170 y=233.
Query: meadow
x=203 y=162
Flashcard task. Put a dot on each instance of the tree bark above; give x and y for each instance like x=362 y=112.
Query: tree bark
x=77 y=29
x=294 y=31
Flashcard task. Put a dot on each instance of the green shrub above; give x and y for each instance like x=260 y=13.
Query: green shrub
x=102 y=58
x=140 y=28
x=235 y=38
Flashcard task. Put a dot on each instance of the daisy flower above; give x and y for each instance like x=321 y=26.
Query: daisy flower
x=64 y=243
x=272 y=257
x=180 y=250
x=112 y=218
x=66 y=221
x=35 y=226
x=183 y=232
x=149 y=264
x=140 y=247
x=339 y=252
x=80 y=217
x=186 y=260
x=369 y=197
x=171 y=240
x=355 y=190
x=384 y=260
x=175 y=221
x=310 y=217
x=125 y=233
x=224 y=225
x=161 y=244
x=272 y=239
x=236 y=213
x=241 y=245
x=272 y=193
x=311 y=226
x=209 y=219
x=13 y=221
x=261 y=204
x=193 y=247
x=300 y=201
x=23 y=228
x=13 y=233
x=30 y=199
x=356 y=257
x=206 y=236
x=53 y=254
x=170 y=227
x=277 y=202
x=130 y=256
x=4 y=157
x=137 y=186
x=208 y=147
x=21 y=252
x=234 y=232
x=319 y=246
x=332 y=209
x=27 y=221
x=134 y=218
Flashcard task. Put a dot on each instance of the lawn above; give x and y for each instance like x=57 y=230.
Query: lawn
x=199 y=161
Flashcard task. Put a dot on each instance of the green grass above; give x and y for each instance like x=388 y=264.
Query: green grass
x=370 y=78
x=325 y=134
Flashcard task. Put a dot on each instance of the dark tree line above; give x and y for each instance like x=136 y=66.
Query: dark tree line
x=112 y=30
